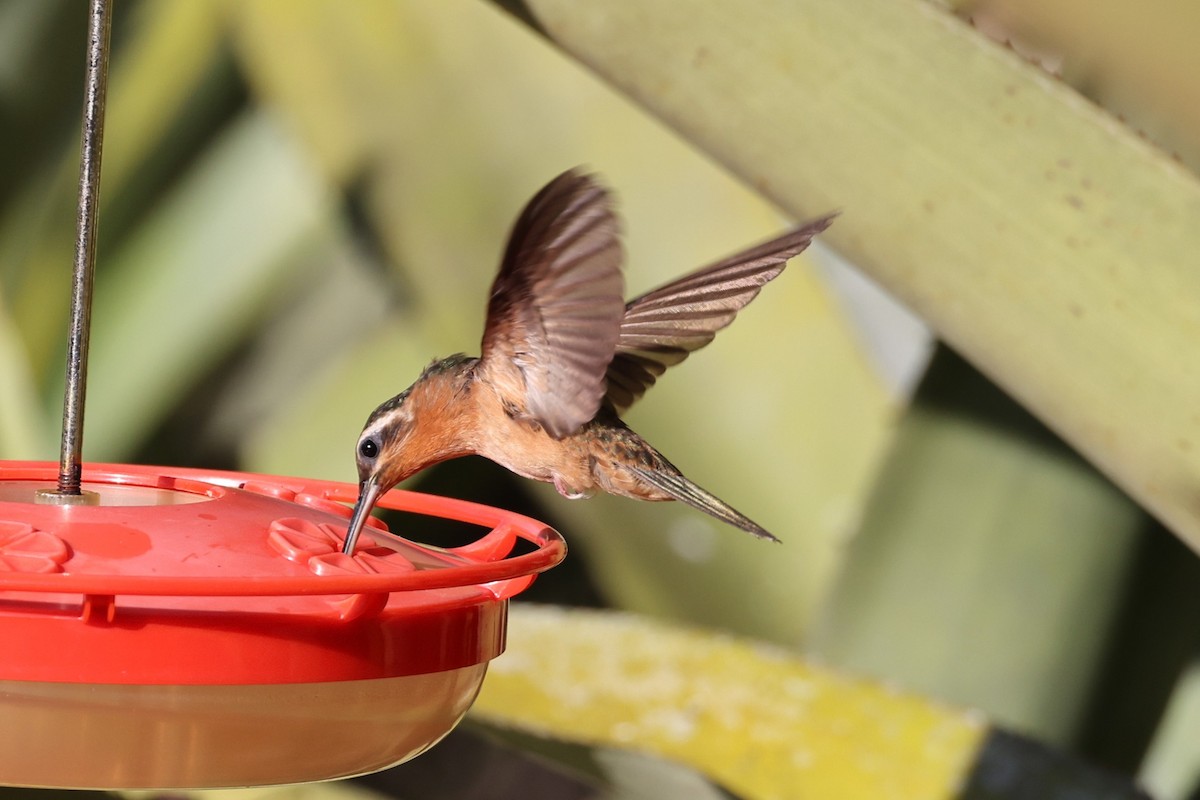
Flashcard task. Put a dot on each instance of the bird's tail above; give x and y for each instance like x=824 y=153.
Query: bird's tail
x=676 y=485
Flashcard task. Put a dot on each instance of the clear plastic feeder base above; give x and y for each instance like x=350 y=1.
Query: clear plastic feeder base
x=220 y=736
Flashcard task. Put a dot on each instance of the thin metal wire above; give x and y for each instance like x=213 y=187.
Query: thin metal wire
x=91 y=147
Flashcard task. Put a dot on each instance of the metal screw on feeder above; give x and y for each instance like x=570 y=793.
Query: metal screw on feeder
x=90 y=152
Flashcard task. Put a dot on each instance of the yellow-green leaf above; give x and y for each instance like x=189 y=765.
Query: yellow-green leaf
x=755 y=719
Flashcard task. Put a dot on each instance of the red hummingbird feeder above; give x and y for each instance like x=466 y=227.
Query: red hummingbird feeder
x=200 y=628
x=182 y=628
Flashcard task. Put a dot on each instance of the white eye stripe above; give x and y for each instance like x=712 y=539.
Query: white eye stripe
x=385 y=429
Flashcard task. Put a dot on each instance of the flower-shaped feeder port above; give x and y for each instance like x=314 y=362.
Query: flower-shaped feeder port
x=203 y=629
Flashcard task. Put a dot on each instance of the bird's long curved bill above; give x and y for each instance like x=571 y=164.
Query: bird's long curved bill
x=368 y=493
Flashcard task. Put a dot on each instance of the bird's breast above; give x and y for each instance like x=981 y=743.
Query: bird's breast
x=511 y=438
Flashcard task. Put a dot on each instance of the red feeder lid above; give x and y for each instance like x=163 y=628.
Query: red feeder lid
x=184 y=576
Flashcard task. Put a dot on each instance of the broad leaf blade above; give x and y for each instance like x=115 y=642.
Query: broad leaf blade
x=758 y=721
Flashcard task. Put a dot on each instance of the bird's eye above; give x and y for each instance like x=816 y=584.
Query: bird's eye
x=368 y=448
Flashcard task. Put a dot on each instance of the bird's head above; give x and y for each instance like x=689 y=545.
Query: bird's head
x=427 y=423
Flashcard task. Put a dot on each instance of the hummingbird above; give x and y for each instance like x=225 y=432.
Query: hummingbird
x=563 y=355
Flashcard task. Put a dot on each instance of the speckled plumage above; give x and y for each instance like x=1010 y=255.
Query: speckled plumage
x=563 y=354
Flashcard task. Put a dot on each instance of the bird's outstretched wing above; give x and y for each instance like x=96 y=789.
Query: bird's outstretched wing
x=661 y=327
x=556 y=305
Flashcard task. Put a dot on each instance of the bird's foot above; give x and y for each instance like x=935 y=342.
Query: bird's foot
x=570 y=492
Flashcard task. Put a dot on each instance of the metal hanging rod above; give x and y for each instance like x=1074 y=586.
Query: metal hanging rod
x=91 y=148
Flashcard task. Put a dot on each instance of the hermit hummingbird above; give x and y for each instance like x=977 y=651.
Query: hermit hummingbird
x=563 y=354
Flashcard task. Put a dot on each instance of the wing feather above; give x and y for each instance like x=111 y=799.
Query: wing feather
x=556 y=305
x=662 y=327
